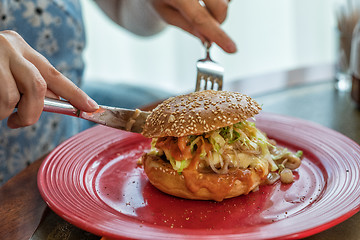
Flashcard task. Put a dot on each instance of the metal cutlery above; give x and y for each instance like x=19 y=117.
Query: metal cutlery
x=120 y=118
x=209 y=73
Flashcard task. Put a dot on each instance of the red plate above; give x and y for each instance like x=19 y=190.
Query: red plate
x=92 y=180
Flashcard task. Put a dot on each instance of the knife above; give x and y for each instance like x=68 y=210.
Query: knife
x=125 y=119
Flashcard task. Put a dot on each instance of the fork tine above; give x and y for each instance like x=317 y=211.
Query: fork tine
x=199 y=79
x=212 y=83
x=206 y=82
x=209 y=73
x=220 y=82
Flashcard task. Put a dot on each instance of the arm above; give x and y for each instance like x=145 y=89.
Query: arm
x=137 y=16
x=201 y=19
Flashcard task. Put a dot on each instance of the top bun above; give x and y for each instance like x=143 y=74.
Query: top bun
x=199 y=112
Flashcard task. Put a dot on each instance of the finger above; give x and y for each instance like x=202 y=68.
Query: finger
x=217 y=8
x=203 y=23
x=9 y=94
x=51 y=94
x=32 y=87
x=23 y=116
x=57 y=83
x=61 y=85
x=173 y=17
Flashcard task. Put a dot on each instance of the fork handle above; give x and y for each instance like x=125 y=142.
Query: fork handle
x=207 y=45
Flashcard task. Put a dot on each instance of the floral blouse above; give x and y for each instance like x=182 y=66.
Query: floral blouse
x=55 y=29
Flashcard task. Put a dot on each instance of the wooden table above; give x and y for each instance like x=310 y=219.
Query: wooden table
x=21 y=206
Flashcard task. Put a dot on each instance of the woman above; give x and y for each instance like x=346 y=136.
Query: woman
x=41 y=45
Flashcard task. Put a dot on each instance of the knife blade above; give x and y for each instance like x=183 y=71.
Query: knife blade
x=131 y=120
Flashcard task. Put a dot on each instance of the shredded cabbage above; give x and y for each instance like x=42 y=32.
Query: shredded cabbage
x=154 y=150
x=179 y=166
x=299 y=154
x=228 y=134
x=194 y=143
x=217 y=141
x=266 y=154
x=240 y=145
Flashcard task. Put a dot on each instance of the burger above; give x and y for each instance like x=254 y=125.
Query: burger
x=205 y=146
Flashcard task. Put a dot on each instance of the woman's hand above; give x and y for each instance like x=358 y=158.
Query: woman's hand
x=201 y=21
x=26 y=77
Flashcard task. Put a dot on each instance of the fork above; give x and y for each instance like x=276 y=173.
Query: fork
x=208 y=73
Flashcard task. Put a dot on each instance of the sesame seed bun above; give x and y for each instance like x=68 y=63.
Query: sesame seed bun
x=162 y=176
x=199 y=112
x=195 y=114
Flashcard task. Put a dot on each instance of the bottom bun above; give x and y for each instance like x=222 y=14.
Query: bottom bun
x=166 y=179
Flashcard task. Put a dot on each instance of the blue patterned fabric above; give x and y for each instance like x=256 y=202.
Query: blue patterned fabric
x=55 y=29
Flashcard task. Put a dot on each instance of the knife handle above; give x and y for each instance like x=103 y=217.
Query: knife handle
x=65 y=107
x=60 y=106
x=119 y=118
